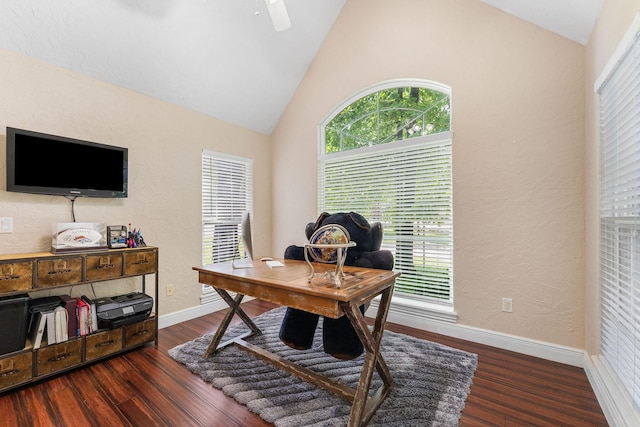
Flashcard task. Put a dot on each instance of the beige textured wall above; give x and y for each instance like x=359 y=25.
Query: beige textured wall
x=165 y=144
x=613 y=22
x=518 y=122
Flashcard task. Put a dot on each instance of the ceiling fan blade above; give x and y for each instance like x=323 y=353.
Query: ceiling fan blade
x=279 y=14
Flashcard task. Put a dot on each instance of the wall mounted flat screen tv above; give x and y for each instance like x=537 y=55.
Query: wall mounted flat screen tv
x=48 y=164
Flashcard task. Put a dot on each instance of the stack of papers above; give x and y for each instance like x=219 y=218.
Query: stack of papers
x=272 y=264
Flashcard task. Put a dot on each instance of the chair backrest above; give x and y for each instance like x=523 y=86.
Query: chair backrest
x=368 y=254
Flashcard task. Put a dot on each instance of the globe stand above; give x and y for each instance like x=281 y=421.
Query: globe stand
x=341 y=256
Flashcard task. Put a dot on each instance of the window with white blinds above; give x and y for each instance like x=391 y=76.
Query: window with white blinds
x=401 y=177
x=227 y=192
x=619 y=93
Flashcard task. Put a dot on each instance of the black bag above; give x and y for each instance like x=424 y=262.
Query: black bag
x=38 y=305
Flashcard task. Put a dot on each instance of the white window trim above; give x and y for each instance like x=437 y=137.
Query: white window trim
x=616 y=402
x=208 y=294
x=621 y=50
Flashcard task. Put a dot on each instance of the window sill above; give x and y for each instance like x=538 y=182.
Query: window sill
x=401 y=308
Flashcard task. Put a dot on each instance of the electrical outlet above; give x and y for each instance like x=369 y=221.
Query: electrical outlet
x=170 y=290
x=507 y=305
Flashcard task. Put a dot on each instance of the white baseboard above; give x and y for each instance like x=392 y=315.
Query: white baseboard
x=190 y=313
x=614 y=401
x=430 y=322
x=214 y=304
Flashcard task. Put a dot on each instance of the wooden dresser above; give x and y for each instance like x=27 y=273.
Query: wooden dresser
x=31 y=273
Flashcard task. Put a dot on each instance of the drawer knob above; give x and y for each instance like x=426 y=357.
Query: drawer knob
x=104 y=343
x=142 y=259
x=105 y=262
x=59 y=357
x=7 y=273
x=59 y=267
x=9 y=370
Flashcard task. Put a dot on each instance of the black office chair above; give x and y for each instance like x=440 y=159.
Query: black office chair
x=339 y=338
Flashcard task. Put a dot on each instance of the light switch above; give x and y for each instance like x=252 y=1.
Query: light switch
x=6 y=225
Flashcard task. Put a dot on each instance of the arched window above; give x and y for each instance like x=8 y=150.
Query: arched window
x=386 y=154
x=388 y=115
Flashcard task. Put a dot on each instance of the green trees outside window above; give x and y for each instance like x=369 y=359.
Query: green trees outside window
x=388 y=115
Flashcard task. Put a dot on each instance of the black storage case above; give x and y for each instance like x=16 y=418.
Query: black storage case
x=14 y=313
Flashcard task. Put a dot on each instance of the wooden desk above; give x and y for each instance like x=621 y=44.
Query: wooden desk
x=289 y=286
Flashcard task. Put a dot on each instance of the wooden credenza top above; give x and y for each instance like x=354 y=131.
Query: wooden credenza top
x=40 y=270
x=34 y=255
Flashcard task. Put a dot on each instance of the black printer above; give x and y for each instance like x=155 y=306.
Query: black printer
x=121 y=310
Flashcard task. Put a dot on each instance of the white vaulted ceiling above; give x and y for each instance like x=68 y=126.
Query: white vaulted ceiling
x=573 y=19
x=219 y=57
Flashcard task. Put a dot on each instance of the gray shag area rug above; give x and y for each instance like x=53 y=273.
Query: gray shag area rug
x=432 y=380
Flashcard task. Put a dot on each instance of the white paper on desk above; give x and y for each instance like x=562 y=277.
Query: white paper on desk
x=272 y=264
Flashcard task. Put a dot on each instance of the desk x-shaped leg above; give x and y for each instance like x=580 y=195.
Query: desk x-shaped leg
x=234 y=305
x=363 y=406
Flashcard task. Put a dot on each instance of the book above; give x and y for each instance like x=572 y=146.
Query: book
x=84 y=317
x=93 y=315
x=71 y=304
x=62 y=324
x=51 y=327
x=37 y=329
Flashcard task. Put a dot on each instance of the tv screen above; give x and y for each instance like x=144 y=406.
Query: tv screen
x=48 y=164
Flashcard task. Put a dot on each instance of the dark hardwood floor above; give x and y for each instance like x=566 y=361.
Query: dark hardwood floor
x=146 y=387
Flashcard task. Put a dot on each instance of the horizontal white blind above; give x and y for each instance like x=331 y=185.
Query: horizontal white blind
x=227 y=183
x=406 y=187
x=620 y=219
